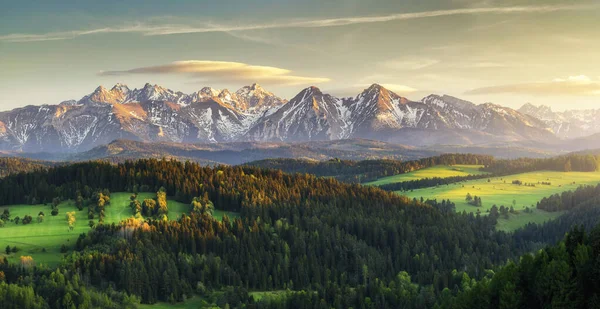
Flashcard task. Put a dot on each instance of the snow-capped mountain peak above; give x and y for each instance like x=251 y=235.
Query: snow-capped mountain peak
x=253 y=90
x=211 y=92
x=155 y=113
x=566 y=124
x=103 y=95
x=121 y=88
x=256 y=98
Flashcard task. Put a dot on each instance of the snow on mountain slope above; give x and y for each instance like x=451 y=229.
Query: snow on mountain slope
x=310 y=115
x=566 y=124
x=154 y=113
x=378 y=109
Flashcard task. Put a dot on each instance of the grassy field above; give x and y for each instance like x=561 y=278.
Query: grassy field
x=258 y=295
x=501 y=191
x=192 y=303
x=199 y=302
x=441 y=171
x=43 y=240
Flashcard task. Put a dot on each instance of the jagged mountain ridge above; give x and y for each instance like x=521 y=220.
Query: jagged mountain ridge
x=380 y=114
x=157 y=114
x=566 y=124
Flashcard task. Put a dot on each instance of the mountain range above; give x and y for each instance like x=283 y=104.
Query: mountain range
x=253 y=114
x=566 y=124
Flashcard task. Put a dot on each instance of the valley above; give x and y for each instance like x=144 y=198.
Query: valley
x=441 y=171
x=43 y=240
x=438 y=154
x=217 y=262
x=495 y=190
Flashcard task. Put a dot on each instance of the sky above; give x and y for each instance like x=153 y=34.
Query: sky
x=506 y=52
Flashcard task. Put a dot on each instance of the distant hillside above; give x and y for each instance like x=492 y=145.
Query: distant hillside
x=506 y=151
x=12 y=165
x=239 y=153
x=367 y=170
x=583 y=143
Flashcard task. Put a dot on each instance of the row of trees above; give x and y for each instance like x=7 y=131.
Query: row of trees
x=569 y=199
x=9 y=165
x=367 y=170
x=429 y=182
x=568 y=163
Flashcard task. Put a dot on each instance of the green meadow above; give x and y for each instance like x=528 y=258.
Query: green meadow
x=43 y=240
x=442 y=171
x=192 y=303
x=500 y=191
x=209 y=302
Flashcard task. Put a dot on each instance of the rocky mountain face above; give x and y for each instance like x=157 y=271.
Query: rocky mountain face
x=567 y=124
x=152 y=113
x=380 y=114
x=157 y=114
x=310 y=115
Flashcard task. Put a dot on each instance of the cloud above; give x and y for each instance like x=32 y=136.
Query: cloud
x=66 y=35
x=414 y=64
x=483 y=65
x=409 y=64
x=574 y=79
x=224 y=71
x=572 y=85
x=318 y=23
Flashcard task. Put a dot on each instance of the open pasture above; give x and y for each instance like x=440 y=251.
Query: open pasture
x=43 y=240
x=442 y=171
x=501 y=191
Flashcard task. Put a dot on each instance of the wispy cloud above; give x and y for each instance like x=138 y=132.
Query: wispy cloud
x=409 y=63
x=572 y=85
x=416 y=64
x=224 y=71
x=481 y=65
x=145 y=29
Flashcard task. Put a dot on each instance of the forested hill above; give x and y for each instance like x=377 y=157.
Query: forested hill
x=297 y=232
x=568 y=163
x=563 y=276
x=367 y=170
x=11 y=165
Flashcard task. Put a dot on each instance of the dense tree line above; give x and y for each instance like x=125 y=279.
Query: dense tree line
x=11 y=165
x=367 y=170
x=585 y=213
x=569 y=199
x=430 y=182
x=498 y=168
x=41 y=288
x=19 y=297
x=568 y=163
x=563 y=276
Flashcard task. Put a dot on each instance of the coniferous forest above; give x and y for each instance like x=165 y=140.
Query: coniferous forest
x=328 y=243
x=300 y=154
